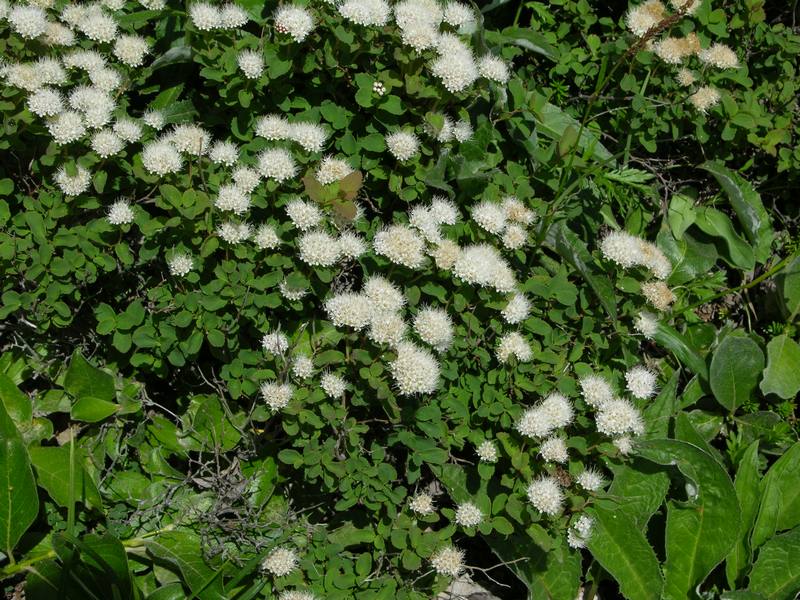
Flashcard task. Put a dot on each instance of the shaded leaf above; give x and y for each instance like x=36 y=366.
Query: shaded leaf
x=779 y=508
x=776 y=574
x=84 y=379
x=782 y=375
x=52 y=466
x=182 y=550
x=748 y=493
x=735 y=369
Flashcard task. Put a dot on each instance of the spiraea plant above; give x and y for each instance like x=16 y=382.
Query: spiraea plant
x=352 y=332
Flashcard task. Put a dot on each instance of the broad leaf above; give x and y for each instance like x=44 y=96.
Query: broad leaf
x=19 y=503
x=639 y=487
x=621 y=548
x=717 y=224
x=552 y=122
x=788 y=282
x=181 y=550
x=91 y=410
x=527 y=38
x=658 y=414
x=735 y=369
x=782 y=375
x=53 y=473
x=776 y=574
x=84 y=379
x=750 y=211
x=748 y=493
x=701 y=531
x=18 y=406
x=779 y=508
x=673 y=341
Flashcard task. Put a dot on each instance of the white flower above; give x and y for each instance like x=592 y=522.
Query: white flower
x=130 y=49
x=553 y=412
x=490 y=216
x=128 y=130
x=596 y=390
x=646 y=323
x=309 y=135
x=387 y=328
x=275 y=342
x=468 y=515
x=434 y=327
x=302 y=367
x=251 y=62
x=349 y=309
x=624 y=444
x=97 y=25
x=154 y=118
x=655 y=260
x=45 y=102
x=332 y=169
x=445 y=133
x=546 y=496
x=622 y=248
x=318 y=249
x=658 y=294
x=590 y=479
x=448 y=561
x=401 y=245
x=106 y=143
x=445 y=254
x=516 y=211
x=296 y=595
x=28 y=21
x=303 y=214
x=513 y=344
x=161 y=158
x=24 y=76
x=333 y=385
x=180 y=264
x=685 y=78
x=415 y=371
x=295 y=21
x=617 y=417
x=419 y=35
x=458 y=14
x=517 y=309
x=351 y=246
x=51 y=71
x=224 y=153
x=272 y=127
x=705 y=98
x=205 y=16
x=190 y=139
x=280 y=562
x=578 y=534
x=482 y=265
x=290 y=292
x=66 y=127
x=462 y=130
x=641 y=382
x=277 y=164
x=514 y=237
x=232 y=16
x=422 y=504
x=487 y=451
x=73 y=185
x=366 y=12
x=691 y=5
x=494 y=68
x=234 y=233
x=443 y=210
x=120 y=213
x=642 y=18
x=455 y=66
x=57 y=34
x=232 y=198
x=554 y=450
x=88 y=60
x=402 y=145
x=245 y=178
x=383 y=294
x=266 y=237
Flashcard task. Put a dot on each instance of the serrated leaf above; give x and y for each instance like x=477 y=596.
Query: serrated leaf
x=621 y=548
x=776 y=574
x=701 y=531
x=735 y=369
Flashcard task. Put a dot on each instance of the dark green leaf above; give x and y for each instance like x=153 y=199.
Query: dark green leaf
x=779 y=508
x=84 y=379
x=735 y=369
x=776 y=574
x=782 y=375
x=748 y=492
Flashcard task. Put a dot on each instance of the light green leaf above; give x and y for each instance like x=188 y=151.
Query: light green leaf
x=92 y=410
x=53 y=474
x=717 y=224
x=735 y=369
x=84 y=379
x=527 y=38
x=182 y=550
x=663 y=408
x=776 y=574
x=681 y=215
x=552 y=122
x=18 y=406
x=673 y=341
x=620 y=547
x=639 y=488
x=701 y=531
x=19 y=502
x=746 y=202
x=748 y=492
x=788 y=282
x=779 y=508
x=782 y=375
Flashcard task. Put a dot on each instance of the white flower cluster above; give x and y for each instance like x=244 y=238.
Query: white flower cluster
x=580 y=532
x=468 y=515
x=448 y=561
x=630 y=251
x=207 y=17
x=554 y=412
x=280 y=562
x=422 y=504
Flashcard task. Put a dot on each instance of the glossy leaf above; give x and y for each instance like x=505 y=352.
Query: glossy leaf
x=92 y=410
x=776 y=573
x=735 y=370
x=717 y=224
x=673 y=341
x=701 y=531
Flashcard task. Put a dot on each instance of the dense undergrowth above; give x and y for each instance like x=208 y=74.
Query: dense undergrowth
x=347 y=300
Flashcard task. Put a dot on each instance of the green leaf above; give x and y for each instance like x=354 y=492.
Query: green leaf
x=717 y=224
x=639 y=487
x=748 y=492
x=673 y=341
x=782 y=375
x=98 y=562
x=527 y=38
x=52 y=466
x=18 y=406
x=746 y=202
x=658 y=414
x=701 y=531
x=735 y=369
x=182 y=550
x=776 y=574
x=681 y=215
x=621 y=548
x=779 y=508
x=788 y=282
x=92 y=410
x=84 y=379
x=19 y=502
x=567 y=243
x=552 y=574
x=552 y=122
